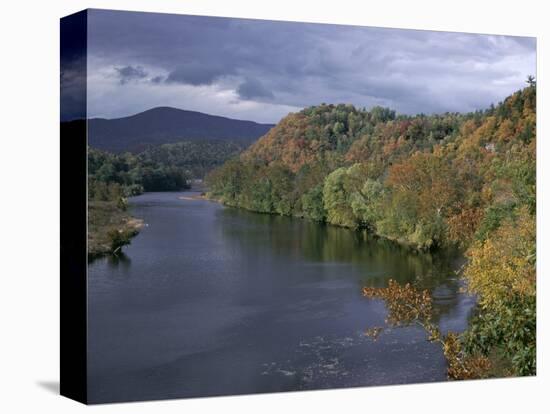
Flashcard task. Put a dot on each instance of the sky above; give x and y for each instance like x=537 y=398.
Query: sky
x=261 y=70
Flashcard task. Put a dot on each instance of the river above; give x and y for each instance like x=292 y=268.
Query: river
x=209 y=300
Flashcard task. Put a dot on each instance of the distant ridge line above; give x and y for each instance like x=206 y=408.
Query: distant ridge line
x=165 y=124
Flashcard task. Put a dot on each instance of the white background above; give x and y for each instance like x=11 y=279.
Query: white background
x=29 y=205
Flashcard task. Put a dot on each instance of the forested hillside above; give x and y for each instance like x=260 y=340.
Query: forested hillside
x=167 y=167
x=450 y=180
x=426 y=181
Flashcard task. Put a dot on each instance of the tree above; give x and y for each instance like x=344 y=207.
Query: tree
x=367 y=204
x=503 y=264
x=336 y=199
x=312 y=204
x=341 y=189
x=428 y=193
x=118 y=239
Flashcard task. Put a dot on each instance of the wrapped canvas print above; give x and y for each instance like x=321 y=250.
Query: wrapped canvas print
x=253 y=206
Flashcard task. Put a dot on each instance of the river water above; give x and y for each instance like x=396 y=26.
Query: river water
x=209 y=300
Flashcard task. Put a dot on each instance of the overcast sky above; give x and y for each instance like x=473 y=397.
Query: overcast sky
x=261 y=70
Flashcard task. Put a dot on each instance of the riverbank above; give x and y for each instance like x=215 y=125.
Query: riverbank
x=109 y=228
x=195 y=197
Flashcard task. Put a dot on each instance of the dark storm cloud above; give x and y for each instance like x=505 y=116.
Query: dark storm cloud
x=252 y=88
x=157 y=79
x=130 y=73
x=281 y=65
x=196 y=73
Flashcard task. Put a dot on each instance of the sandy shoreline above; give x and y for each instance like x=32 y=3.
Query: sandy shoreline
x=193 y=198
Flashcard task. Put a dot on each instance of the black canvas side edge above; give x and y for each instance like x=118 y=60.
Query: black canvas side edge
x=73 y=232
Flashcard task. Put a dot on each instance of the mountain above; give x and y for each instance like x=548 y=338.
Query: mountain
x=168 y=125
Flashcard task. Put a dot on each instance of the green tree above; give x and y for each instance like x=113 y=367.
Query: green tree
x=312 y=204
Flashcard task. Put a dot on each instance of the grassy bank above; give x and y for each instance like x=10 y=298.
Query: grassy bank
x=109 y=228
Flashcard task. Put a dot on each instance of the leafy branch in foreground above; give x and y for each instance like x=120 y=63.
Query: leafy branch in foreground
x=410 y=306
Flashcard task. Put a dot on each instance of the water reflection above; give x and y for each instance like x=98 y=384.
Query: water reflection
x=377 y=259
x=121 y=259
